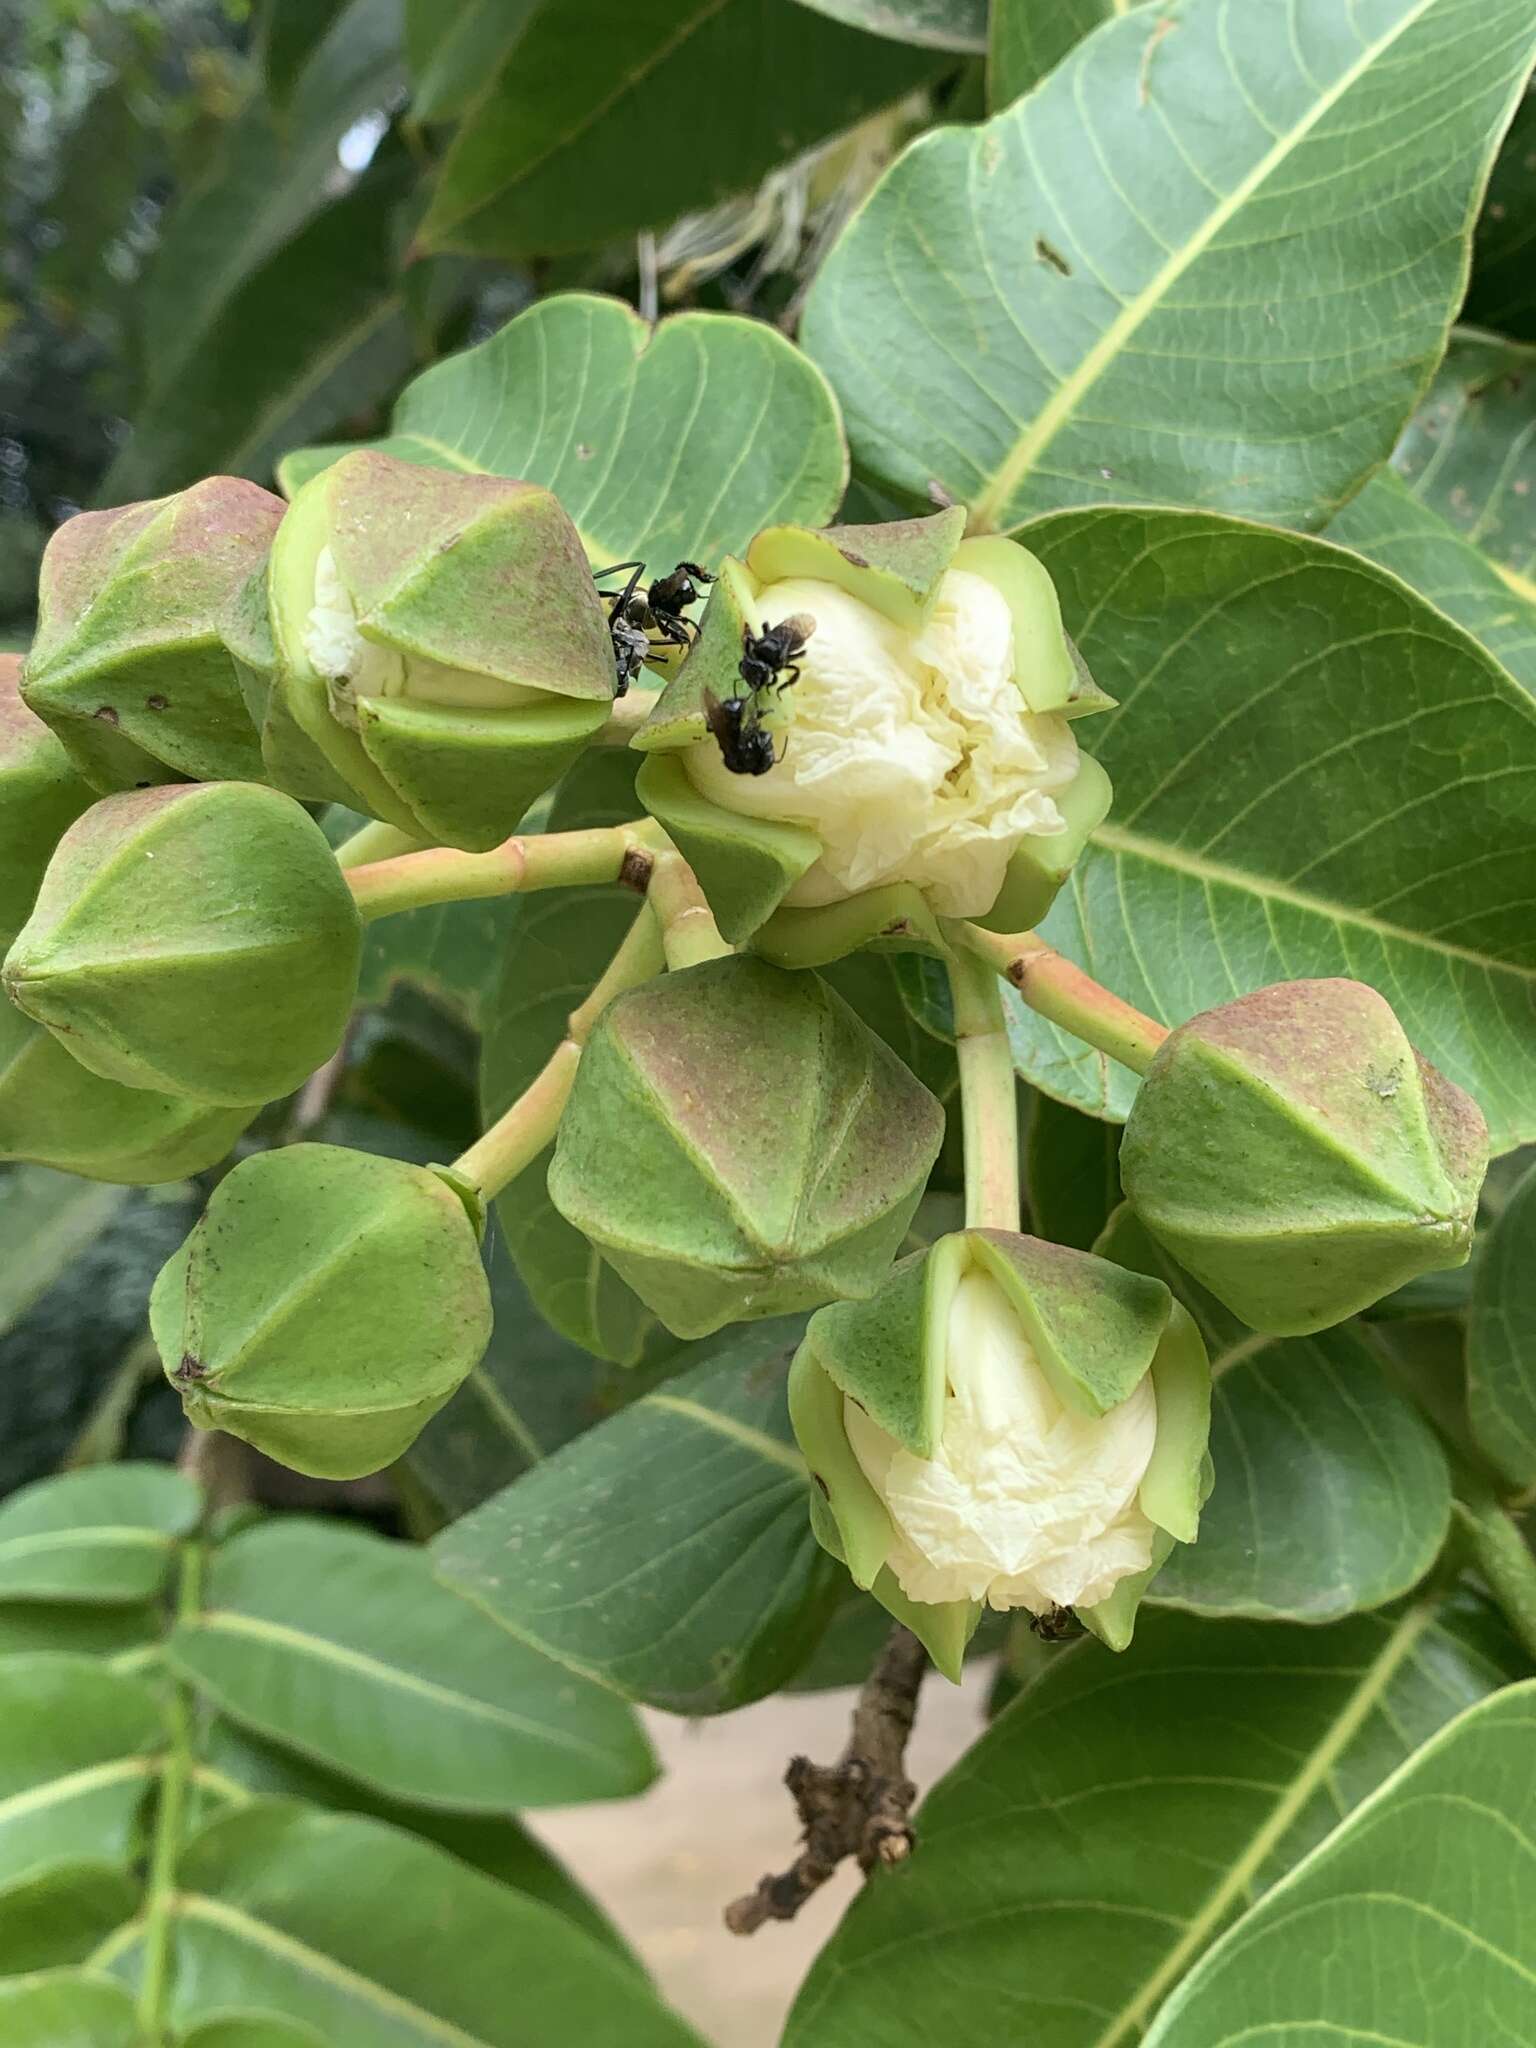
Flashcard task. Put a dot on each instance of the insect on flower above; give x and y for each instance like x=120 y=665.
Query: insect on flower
x=745 y=743
x=633 y=617
x=770 y=660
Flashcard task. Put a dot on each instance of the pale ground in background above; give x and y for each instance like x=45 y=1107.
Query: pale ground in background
x=665 y=1866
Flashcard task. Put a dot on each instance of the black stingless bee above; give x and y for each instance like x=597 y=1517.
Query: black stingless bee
x=1059 y=1625
x=745 y=743
x=633 y=617
x=770 y=660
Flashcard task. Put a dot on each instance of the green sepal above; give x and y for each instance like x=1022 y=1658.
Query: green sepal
x=468 y=1193
x=1176 y=1481
x=1043 y=667
x=41 y=795
x=1113 y=1620
x=466 y=777
x=861 y=1533
x=943 y=1627
x=893 y=568
x=1042 y=863
x=1094 y=1327
x=746 y=866
x=54 y=1112
x=195 y=939
x=892 y=919
x=290 y=758
x=324 y=1307
x=677 y=718
x=888 y=1353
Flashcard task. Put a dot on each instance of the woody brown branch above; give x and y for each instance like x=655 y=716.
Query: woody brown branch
x=861 y=1805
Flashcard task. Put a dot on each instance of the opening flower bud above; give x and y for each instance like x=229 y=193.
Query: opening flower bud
x=440 y=646
x=131 y=665
x=920 y=738
x=1008 y=1424
x=739 y=1144
x=40 y=795
x=198 y=941
x=54 y=1112
x=324 y=1307
x=1300 y=1158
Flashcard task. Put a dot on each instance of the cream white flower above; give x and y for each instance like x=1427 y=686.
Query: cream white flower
x=913 y=757
x=1027 y=1503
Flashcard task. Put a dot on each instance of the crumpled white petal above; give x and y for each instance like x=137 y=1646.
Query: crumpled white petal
x=1028 y=1503
x=913 y=757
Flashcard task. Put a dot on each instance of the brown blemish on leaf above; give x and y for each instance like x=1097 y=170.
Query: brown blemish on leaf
x=106 y=714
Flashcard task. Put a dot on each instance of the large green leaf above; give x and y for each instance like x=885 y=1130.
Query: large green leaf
x=1388 y=523
x=668 y=1552
x=1108 y=291
x=1470 y=453
x=67 y=2009
x=1501 y=1339
x=619 y=114
x=1412 y=1923
x=454 y=46
x=1031 y=37
x=102 y=1535
x=341 y=1645
x=1115 y=1818
x=1503 y=290
x=1315 y=774
x=1072 y=1173
x=252 y=2030
x=376 y=1940
x=77 y=1743
x=934 y=24
x=669 y=444
x=45 y=1219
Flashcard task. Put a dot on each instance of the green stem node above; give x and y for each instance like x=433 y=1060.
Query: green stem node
x=548 y=860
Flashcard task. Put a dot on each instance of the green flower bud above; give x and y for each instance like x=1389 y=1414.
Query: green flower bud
x=925 y=761
x=54 y=1112
x=739 y=1144
x=197 y=941
x=131 y=666
x=441 y=649
x=40 y=795
x=324 y=1307
x=1008 y=1424
x=1300 y=1158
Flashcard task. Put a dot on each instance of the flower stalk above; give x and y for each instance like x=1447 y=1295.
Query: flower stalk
x=547 y=860
x=988 y=1097
x=1059 y=991
x=689 y=934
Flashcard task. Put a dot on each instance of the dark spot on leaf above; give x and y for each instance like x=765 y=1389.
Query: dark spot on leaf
x=583 y=452
x=1047 y=252
x=106 y=714
x=157 y=703
x=191 y=1368
x=822 y=1484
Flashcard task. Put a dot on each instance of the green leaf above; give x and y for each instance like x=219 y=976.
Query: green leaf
x=932 y=24
x=341 y=1645
x=1118 y=1815
x=1501 y=1339
x=63 y=1915
x=102 y=1535
x=325 y=1919
x=76 y=1758
x=1295 y=727
x=1413 y=1921
x=45 y=1219
x=252 y=2030
x=69 y=2009
x=568 y=145
x=1029 y=38
x=1106 y=292
x=682 y=442
x=557 y=946
x=454 y=46
x=289 y=34
x=1072 y=1171
x=1503 y=290
x=668 y=1552
x=1393 y=527
x=1470 y=453
x=233 y=1761
x=83 y=1631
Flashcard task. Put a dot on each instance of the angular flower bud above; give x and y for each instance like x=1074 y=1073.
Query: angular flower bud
x=1300 y=1158
x=1008 y=1424
x=200 y=941
x=441 y=649
x=924 y=746
x=324 y=1307
x=40 y=795
x=54 y=1112
x=739 y=1144
x=131 y=665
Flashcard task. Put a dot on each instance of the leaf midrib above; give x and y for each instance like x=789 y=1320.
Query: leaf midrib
x=990 y=507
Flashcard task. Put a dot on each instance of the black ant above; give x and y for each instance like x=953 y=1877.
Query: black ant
x=770 y=660
x=632 y=618
x=745 y=743
x=1057 y=1625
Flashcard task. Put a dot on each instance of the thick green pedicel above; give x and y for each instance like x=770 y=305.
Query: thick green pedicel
x=198 y=941
x=41 y=795
x=324 y=1308
x=738 y=1144
x=54 y=1112
x=472 y=598
x=1094 y=1329
x=132 y=664
x=1300 y=1158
